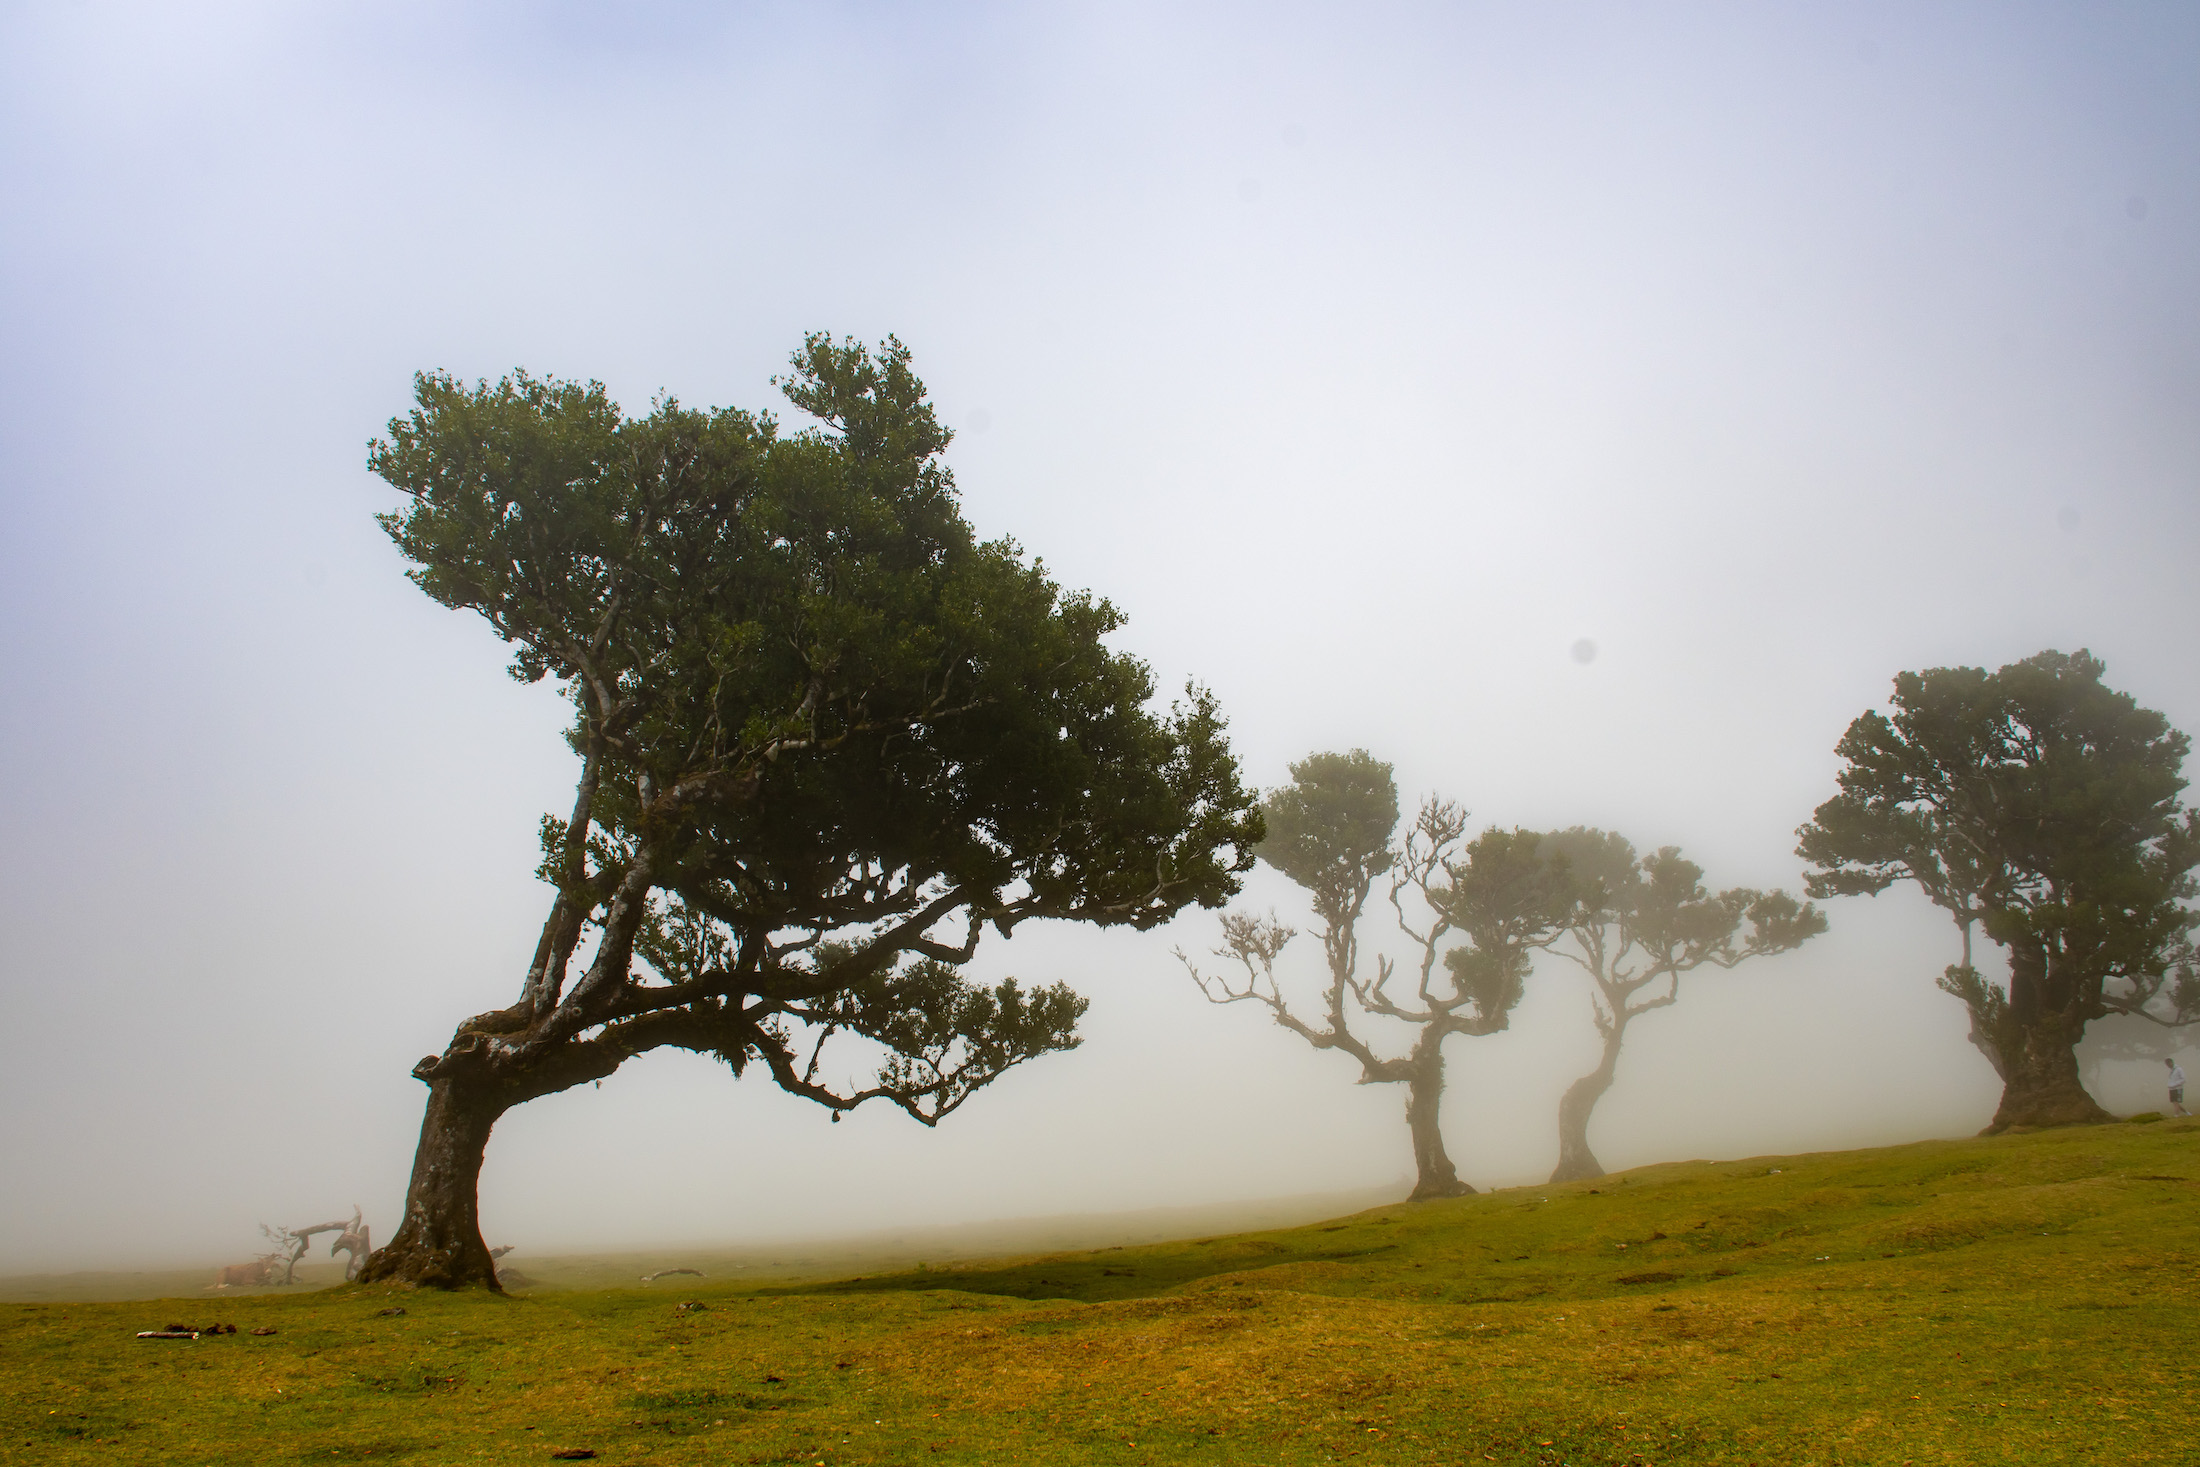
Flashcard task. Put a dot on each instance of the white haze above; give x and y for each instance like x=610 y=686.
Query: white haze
x=1368 y=358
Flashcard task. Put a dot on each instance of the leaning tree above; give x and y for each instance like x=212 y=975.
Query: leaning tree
x=2041 y=806
x=826 y=739
x=1636 y=925
x=1329 y=831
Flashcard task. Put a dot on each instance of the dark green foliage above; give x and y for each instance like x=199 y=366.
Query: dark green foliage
x=819 y=717
x=1509 y=891
x=1329 y=828
x=2034 y=800
x=1657 y=907
x=945 y=1037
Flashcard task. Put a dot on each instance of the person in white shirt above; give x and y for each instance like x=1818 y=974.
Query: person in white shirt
x=2177 y=1087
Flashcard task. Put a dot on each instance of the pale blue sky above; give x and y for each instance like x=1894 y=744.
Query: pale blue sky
x=1367 y=359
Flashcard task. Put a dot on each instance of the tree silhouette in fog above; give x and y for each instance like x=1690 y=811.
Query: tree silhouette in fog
x=1636 y=925
x=1473 y=911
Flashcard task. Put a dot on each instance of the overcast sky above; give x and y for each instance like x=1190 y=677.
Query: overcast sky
x=1369 y=357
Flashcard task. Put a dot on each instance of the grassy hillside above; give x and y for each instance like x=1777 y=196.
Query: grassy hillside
x=770 y=1262
x=2023 y=1299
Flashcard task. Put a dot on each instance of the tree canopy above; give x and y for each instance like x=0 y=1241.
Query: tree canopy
x=827 y=737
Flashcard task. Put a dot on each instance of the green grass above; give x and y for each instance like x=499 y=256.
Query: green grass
x=2026 y=1299
x=780 y=1262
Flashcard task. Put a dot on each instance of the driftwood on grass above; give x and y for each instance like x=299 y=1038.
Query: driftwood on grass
x=352 y=1240
x=289 y=1245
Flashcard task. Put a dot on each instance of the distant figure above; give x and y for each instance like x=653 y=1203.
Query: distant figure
x=2177 y=1087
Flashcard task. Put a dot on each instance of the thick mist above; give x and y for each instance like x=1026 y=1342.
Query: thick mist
x=1371 y=364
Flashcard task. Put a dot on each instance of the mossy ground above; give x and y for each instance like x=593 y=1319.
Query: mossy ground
x=2026 y=1299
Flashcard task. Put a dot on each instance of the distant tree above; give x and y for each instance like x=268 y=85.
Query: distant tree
x=1636 y=925
x=827 y=738
x=2042 y=806
x=2128 y=1039
x=1329 y=830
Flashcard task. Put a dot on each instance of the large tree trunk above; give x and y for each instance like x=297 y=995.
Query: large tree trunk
x=439 y=1243
x=480 y=1076
x=1576 y=1162
x=496 y=1061
x=1434 y=1173
x=2042 y=1086
x=2045 y=1021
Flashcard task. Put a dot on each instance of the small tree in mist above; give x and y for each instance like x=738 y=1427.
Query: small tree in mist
x=1330 y=831
x=2043 y=807
x=1636 y=925
x=827 y=740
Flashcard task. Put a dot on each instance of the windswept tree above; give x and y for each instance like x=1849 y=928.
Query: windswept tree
x=1472 y=912
x=827 y=739
x=1637 y=925
x=2041 y=806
